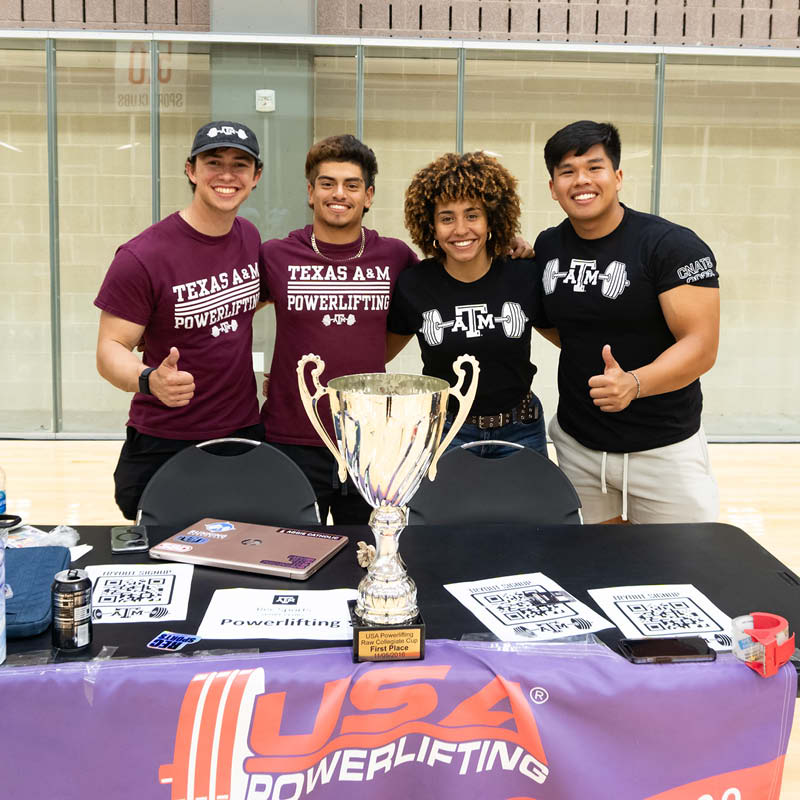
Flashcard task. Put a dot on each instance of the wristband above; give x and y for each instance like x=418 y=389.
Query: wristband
x=638 y=385
x=144 y=380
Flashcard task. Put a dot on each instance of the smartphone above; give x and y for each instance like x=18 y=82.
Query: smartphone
x=129 y=539
x=668 y=650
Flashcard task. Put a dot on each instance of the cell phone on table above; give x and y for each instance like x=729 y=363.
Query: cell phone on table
x=129 y=539
x=667 y=650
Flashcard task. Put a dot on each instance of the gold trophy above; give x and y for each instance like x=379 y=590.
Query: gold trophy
x=388 y=429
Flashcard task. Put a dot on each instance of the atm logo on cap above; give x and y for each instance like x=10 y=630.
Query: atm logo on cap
x=229 y=744
x=228 y=130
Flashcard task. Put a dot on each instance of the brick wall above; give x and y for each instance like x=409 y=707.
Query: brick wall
x=179 y=15
x=724 y=23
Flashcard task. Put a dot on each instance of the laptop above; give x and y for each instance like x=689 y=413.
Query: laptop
x=244 y=546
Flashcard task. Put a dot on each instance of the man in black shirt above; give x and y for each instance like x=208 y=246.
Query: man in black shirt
x=632 y=300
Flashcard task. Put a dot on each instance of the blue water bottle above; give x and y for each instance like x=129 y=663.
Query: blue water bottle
x=3 y=536
x=7 y=521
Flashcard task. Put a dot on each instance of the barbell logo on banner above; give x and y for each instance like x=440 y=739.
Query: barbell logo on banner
x=472 y=320
x=230 y=741
x=581 y=274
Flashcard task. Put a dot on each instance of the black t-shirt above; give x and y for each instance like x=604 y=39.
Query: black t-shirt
x=489 y=318
x=605 y=291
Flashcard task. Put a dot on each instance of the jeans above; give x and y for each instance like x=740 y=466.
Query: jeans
x=529 y=434
x=142 y=455
x=345 y=503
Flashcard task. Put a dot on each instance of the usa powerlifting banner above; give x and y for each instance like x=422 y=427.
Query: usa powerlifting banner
x=473 y=720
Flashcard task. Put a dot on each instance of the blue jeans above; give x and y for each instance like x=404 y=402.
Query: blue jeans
x=529 y=434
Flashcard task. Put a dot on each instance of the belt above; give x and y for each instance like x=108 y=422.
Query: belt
x=526 y=411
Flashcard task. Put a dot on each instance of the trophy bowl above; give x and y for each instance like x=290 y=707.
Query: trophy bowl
x=388 y=429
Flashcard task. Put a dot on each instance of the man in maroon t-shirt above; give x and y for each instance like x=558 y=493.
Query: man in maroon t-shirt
x=331 y=283
x=187 y=288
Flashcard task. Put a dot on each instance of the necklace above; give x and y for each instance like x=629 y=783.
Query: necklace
x=352 y=258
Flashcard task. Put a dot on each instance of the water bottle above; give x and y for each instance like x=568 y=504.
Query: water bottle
x=6 y=521
x=3 y=537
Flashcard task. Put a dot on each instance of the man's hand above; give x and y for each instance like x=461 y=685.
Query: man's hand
x=520 y=248
x=172 y=386
x=615 y=389
x=265 y=386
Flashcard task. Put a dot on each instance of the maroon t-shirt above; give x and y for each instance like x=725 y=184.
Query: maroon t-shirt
x=197 y=293
x=330 y=306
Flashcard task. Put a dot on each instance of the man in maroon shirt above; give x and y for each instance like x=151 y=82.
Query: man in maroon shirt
x=187 y=288
x=331 y=283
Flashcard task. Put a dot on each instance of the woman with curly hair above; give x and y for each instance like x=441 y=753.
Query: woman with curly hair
x=463 y=212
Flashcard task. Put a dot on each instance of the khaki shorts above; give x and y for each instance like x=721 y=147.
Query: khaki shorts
x=665 y=484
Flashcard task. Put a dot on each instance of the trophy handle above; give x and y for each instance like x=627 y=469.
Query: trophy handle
x=310 y=405
x=465 y=401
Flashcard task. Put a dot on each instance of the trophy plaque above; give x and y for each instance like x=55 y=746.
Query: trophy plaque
x=388 y=428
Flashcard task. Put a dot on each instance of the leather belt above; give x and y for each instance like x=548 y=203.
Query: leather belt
x=526 y=411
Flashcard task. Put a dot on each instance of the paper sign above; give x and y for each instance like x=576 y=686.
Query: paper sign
x=526 y=608
x=679 y=609
x=140 y=592
x=269 y=614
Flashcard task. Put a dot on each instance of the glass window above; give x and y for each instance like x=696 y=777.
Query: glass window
x=729 y=167
x=730 y=171
x=104 y=199
x=25 y=362
x=410 y=118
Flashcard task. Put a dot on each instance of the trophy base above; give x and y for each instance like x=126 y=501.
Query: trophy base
x=405 y=642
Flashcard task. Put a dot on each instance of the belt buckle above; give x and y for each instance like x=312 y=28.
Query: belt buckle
x=490 y=422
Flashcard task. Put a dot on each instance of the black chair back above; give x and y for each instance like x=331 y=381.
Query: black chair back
x=524 y=487
x=237 y=479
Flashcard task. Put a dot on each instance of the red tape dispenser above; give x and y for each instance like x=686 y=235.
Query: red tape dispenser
x=762 y=641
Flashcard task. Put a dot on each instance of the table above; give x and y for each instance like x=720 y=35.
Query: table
x=474 y=719
x=730 y=567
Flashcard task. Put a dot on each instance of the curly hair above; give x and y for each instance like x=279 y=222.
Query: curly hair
x=471 y=176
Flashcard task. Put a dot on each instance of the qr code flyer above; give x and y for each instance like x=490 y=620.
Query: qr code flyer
x=526 y=608
x=677 y=609
x=140 y=592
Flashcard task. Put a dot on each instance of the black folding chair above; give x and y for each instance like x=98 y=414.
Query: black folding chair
x=523 y=487
x=236 y=479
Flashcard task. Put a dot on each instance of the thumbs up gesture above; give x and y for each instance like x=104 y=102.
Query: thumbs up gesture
x=172 y=386
x=615 y=389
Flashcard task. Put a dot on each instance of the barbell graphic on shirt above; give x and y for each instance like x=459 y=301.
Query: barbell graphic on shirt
x=224 y=327
x=339 y=319
x=614 y=279
x=512 y=318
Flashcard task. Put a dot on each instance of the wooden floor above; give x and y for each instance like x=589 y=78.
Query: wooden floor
x=70 y=482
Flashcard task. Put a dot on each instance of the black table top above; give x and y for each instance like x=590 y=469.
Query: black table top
x=722 y=561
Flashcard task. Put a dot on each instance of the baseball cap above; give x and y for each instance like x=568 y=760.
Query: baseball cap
x=225 y=134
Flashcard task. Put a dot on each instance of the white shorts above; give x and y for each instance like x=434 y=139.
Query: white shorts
x=665 y=484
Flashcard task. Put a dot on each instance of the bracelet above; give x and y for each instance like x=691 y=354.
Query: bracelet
x=638 y=385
